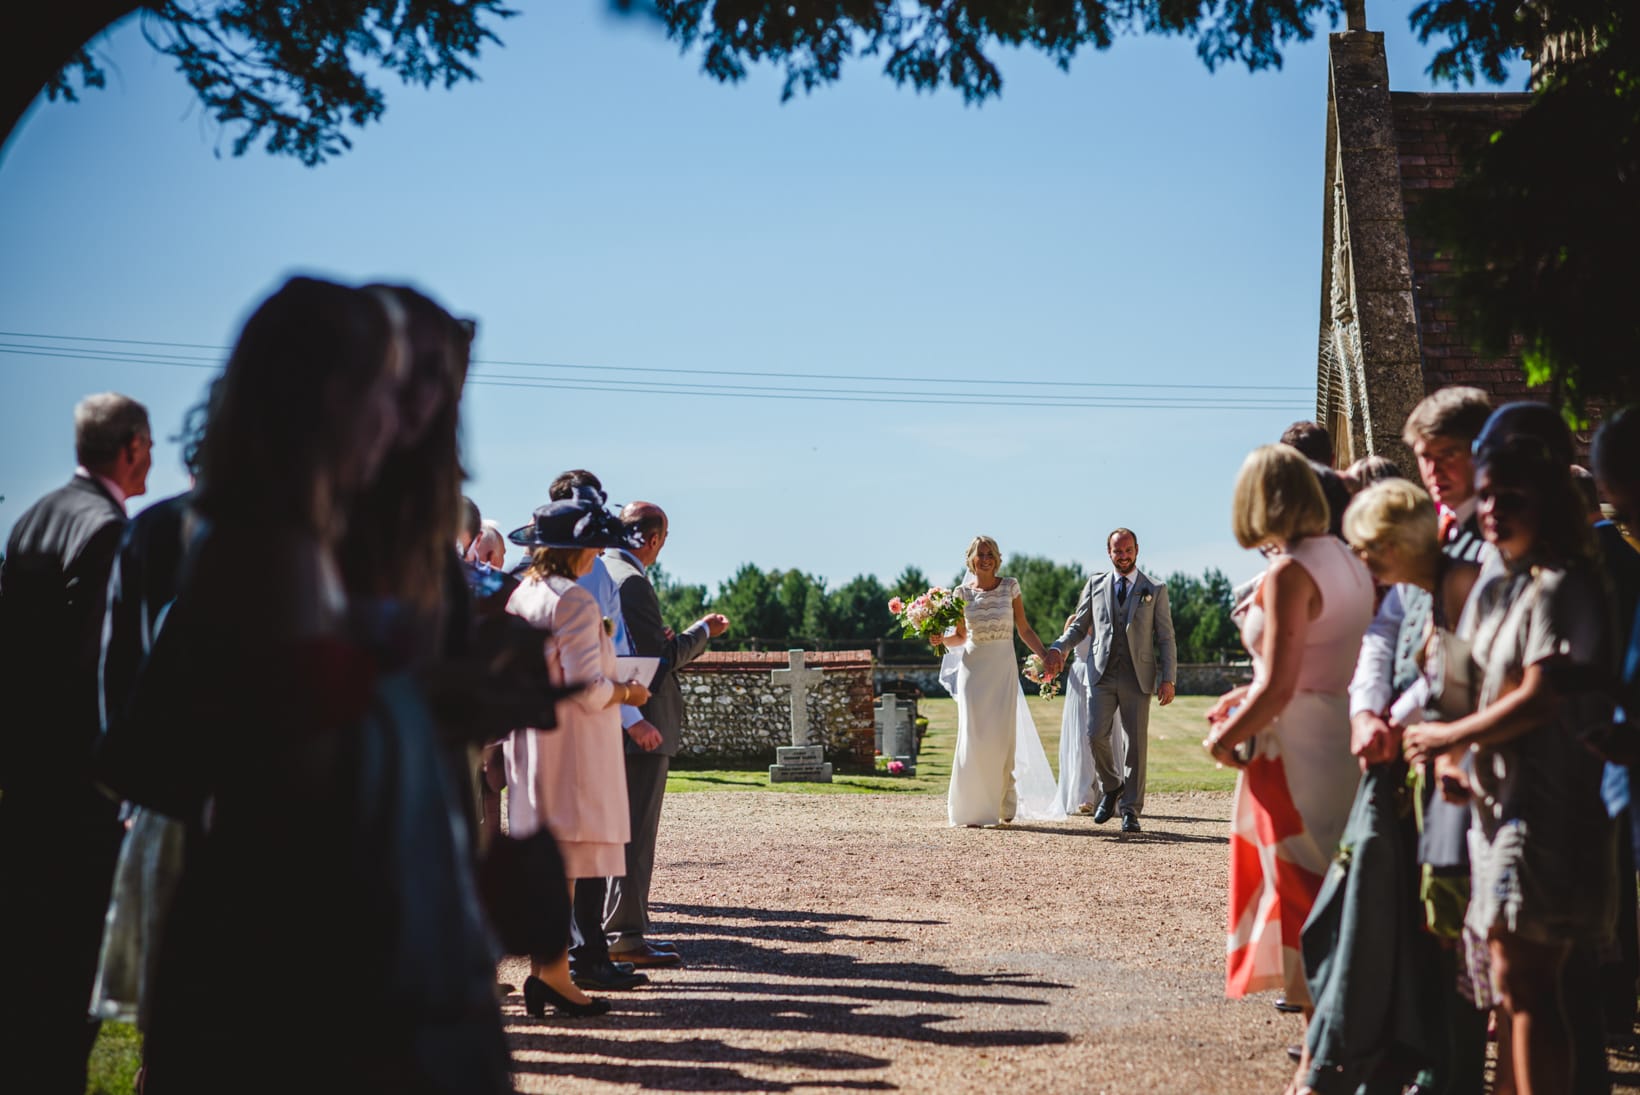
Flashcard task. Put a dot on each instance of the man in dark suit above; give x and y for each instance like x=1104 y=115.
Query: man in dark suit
x=1133 y=657
x=59 y=836
x=627 y=913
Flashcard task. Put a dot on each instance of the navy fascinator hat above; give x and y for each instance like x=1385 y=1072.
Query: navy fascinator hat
x=580 y=521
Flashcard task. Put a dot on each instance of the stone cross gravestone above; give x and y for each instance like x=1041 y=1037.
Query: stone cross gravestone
x=800 y=761
x=896 y=732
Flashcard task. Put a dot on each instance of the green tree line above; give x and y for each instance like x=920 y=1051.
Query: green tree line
x=783 y=609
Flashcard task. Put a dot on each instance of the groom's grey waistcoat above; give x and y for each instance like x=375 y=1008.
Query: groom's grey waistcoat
x=1144 y=637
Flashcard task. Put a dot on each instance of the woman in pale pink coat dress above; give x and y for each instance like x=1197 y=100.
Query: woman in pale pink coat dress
x=572 y=778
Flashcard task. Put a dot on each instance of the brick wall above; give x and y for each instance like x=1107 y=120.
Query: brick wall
x=1433 y=133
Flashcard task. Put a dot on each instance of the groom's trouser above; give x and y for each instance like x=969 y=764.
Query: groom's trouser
x=1116 y=690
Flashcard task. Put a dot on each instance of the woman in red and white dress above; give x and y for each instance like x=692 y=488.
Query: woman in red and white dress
x=1298 y=779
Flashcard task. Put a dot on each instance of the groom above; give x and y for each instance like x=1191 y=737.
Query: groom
x=1122 y=670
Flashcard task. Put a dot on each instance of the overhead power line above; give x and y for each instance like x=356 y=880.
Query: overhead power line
x=941 y=391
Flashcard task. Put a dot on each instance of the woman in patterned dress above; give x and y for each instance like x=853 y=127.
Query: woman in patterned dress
x=1542 y=851
x=1298 y=777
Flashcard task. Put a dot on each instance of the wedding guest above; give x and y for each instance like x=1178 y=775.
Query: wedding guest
x=590 y=964
x=1297 y=776
x=1313 y=440
x=1337 y=493
x=1395 y=1027
x=571 y=781
x=326 y=851
x=472 y=524
x=59 y=836
x=627 y=915
x=1616 y=458
x=1618 y=557
x=141 y=588
x=1076 y=777
x=1617 y=971
x=395 y=556
x=1439 y=431
x=491 y=547
x=1542 y=848
x=1615 y=455
x=991 y=714
x=1367 y=471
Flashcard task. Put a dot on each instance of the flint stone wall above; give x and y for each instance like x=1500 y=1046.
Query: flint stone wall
x=738 y=712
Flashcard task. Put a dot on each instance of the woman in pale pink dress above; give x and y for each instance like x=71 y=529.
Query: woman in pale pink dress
x=1298 y=777
x=572 y=778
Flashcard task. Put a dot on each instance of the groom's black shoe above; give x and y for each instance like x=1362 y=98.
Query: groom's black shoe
x=1130 y=822
x=1107 y=805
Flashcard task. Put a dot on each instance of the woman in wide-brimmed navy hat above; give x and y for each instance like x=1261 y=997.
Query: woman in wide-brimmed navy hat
x=573 y=779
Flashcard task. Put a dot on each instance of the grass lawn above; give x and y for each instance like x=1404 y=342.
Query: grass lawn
x=114 y=1060
x=1176 y=761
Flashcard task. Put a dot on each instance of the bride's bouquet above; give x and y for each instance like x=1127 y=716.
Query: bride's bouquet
x=1037 y=674
x=929 y=616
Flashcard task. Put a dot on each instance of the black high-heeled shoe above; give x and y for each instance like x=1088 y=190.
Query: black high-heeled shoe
x=538 y=994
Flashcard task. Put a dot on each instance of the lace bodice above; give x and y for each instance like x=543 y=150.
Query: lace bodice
x=990 y=612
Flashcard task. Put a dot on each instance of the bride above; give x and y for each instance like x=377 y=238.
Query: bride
x=1000 y=771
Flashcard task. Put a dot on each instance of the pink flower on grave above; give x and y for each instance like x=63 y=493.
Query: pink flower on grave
x=896 y=606
x=895 y=767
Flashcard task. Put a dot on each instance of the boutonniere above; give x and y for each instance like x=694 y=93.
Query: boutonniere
x=1148 y=598
x=609 y=627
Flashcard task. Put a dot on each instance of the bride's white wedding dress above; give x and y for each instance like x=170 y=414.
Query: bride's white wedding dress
x=1000 y=771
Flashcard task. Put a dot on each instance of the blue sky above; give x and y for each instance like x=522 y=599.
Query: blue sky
x=596 y=201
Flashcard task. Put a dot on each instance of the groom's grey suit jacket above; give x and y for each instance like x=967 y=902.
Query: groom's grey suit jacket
x=1146 y=617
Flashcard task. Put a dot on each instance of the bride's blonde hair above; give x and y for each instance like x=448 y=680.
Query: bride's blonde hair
x=973 y=549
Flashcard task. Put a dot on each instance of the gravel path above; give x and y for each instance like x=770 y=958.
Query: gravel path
x=854 y=942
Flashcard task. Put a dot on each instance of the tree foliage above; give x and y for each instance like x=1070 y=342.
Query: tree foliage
x=294 y=76
x=1049 y=590
x=781 y=609
x=681 y=604
x=1202 y=627
x=1559 y=283
x=930 y=44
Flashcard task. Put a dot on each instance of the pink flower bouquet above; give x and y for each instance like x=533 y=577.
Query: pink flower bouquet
x=1037 y=673
x=930 y=615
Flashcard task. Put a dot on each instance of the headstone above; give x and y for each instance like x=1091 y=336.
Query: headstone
x=799 y=761
x=896 y=732
x=800 y=764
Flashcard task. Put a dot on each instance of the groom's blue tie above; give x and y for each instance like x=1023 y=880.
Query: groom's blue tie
x=1121 y=592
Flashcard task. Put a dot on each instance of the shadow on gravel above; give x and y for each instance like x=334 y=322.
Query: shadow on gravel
x=1149 y=836
x=686 y=1077
x=800 y=916
x=797 y=993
